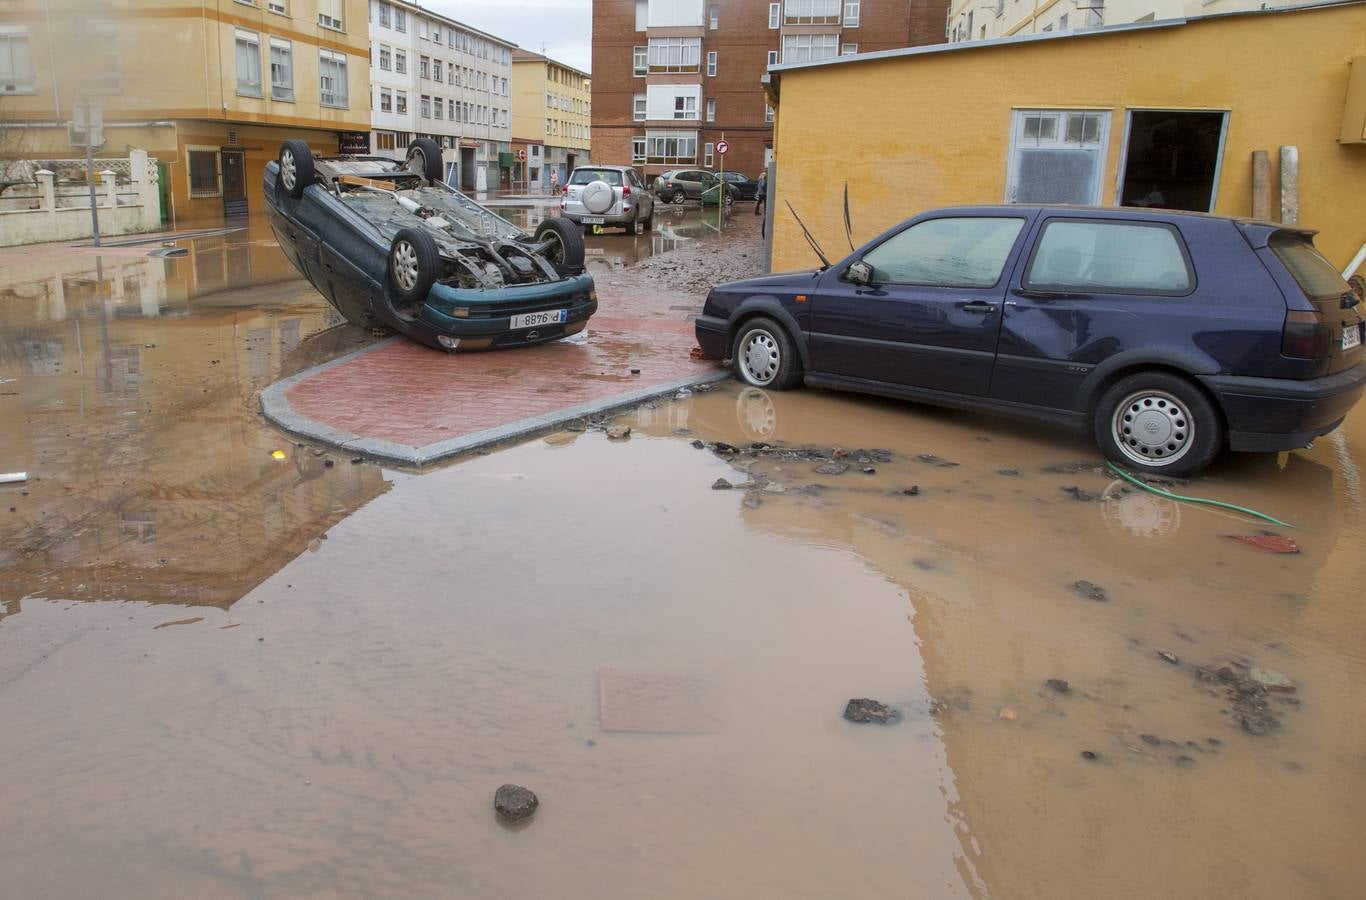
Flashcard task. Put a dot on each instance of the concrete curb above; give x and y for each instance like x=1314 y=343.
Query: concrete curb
x=277 y=410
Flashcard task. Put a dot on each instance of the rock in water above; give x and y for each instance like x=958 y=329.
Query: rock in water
x=865 y=710
x=514 y=802
x=618 y=432
x=1058 y=685
x=1270 y=679
x=721 y=484
x=1089 y=591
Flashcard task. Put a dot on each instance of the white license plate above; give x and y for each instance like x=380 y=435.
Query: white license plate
x=537 y=319
x=593 y=220
x=1351 y=337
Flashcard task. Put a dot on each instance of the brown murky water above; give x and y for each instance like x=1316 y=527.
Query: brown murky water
x=227 y=675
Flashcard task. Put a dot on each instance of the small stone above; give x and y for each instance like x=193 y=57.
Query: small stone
x=513 y=802
x=936 y=461
x=699 y=445
x=1008 y=714
x=912 y=491
x=576 y=425
x=868 y=470
x=327 y=464
x=1078 y=494
x=1089 y=591
x=1089 y=754
x=618 y=432
x=1169 y=656
x=1150 y=739
x=831 y=468
x=1057 y=684
x=635 y=371
x=721 y=484
x=864 y=711
x=1012 y=473
x=1270 y=679
x=357 y=460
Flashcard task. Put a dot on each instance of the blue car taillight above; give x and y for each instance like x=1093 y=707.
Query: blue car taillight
x=1307 y=335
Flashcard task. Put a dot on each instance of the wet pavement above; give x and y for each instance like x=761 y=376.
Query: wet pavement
x=224 y=674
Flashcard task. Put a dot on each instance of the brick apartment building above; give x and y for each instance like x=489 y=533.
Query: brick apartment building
x=670 y=77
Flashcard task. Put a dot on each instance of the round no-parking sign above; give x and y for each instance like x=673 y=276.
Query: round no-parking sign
x=722 y=147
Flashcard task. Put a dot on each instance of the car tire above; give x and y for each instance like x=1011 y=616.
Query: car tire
x=414 y=263
x=630 y=227
x=296 y=168
x=649 y=222
x=566 y=249
x=1158 y=423
x=424 y=158
x=678 y=198
x=765 y=357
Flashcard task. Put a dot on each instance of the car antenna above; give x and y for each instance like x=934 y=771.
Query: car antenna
x=848 y=229
x=809 y=239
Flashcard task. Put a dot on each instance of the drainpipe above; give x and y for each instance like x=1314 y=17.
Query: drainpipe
x=52 y=62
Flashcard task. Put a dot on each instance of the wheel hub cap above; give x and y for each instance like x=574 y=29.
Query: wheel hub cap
x=1153 y=427
x=761 y=357
x=287 y=169
x=405 y=265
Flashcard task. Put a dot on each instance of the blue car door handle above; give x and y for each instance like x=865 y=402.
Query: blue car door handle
x=979 y=306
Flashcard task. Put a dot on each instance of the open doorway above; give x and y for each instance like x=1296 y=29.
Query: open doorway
x=1171 y=159
x=467 y=174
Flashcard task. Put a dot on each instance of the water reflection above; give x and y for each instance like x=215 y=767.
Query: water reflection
x=129 y=398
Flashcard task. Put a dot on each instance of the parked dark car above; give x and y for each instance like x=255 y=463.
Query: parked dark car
x=745 y=188
x=388 y=244
x=682 y=185
x=1168 y=336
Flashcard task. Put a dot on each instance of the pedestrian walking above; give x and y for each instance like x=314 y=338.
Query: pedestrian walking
x=761 y=201
x=554 y=181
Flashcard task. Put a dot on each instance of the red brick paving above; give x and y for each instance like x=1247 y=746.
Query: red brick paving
x=410 y=394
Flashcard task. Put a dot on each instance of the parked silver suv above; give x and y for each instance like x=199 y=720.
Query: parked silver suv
x=607 y=195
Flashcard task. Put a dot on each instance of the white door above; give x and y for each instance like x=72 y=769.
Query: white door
x=482 y=178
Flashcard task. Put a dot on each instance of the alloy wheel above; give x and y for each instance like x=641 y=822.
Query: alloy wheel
x=404 y=259
x=288 y=170
x=1153 y=428
x=760 y=357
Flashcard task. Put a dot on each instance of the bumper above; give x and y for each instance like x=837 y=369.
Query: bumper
x=607 y=219
x=486 y=320
x=1274 y=414
x=713 y=335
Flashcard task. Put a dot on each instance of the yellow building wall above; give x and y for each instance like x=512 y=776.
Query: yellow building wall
x=528 y=100
x=918 y=132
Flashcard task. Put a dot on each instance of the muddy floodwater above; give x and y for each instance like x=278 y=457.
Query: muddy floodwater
x=226 y=674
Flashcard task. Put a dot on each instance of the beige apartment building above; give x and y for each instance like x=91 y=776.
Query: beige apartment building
x=551 y=120
x=973 y=20
x=210 y=88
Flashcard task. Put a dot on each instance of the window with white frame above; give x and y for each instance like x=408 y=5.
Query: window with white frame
x=384 y=19
x=16 y=61
x=424 y=106
x=332 y=78
x=773 y=57
x=713 y=16
x=775 y=15
x=401 y=102
x=642 y=14
x=675 y=54
x=640 y=61
x=277 y=6
x=637 y=151
x=1057 y=156
x=711 y=109
x=769 y=115
x=685 y=107
x=330 y=14
x=711 y=64
x=281 y=69
x=386 y=58
x=799 y=48
x=667 y=148
x=424 y=67
x=672 y=101
x=400 y=62
x=437 y=68
x=851 y=11
x=386 y=100
x=248 y=63
x=708 y=154
x=811 y=12
x=400 y=20
x=438 y=108
x=848 y=49
x=638 y=108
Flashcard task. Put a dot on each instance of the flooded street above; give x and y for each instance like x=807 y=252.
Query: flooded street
x=224 y=674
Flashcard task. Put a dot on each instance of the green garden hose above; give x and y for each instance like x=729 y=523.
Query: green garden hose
x=1201 y=500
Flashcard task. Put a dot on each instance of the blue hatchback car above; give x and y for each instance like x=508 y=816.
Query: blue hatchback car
x=1169 y=336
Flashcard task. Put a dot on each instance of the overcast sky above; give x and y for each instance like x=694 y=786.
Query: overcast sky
x=564 y=27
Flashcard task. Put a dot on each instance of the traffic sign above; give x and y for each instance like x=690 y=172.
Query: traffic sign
x=521 y=155
x=722 y=147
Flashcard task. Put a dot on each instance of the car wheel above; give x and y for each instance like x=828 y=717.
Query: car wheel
x=679 y=198
x=424 y=158
x=649 y=223
x=765 y=357
x=631 y=226
x=296 y=168
x=565 y=243
x=413 y=265
x=1158 y=423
